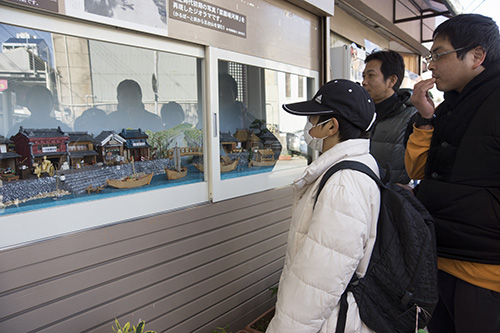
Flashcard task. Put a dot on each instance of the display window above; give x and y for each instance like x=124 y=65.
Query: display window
x=255 y=136
x=101 y=126
x=259 y=145
x=84 y=119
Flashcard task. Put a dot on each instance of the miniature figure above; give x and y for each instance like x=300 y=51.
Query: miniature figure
x=46 y=166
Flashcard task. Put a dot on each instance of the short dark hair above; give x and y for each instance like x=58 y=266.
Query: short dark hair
x=469 y=31
x=346 y=129
x=392 y=64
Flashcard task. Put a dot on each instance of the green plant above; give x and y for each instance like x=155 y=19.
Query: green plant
x=221 y=329
x=274 y=291
x=126 y=328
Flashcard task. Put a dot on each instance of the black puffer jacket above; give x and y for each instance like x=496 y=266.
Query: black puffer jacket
x=390 y=134
x=461 y=188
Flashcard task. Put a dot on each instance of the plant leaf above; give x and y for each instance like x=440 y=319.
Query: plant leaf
x=140 y=327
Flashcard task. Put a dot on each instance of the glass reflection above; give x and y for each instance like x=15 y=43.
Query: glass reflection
x=255 y=135
x=80 y=117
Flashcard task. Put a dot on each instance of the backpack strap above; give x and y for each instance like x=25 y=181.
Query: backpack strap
x=344 y=305
x=361 y=167
x=353 y=165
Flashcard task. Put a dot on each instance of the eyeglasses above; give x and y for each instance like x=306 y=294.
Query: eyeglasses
x=435 y=56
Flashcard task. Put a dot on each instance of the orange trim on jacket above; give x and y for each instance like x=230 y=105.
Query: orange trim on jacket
x=417 y=150
x=481 y=275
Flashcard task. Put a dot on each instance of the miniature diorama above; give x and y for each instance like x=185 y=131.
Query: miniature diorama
x=107 y=128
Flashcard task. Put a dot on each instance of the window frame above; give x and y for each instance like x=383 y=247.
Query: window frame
x=240 y=186
x=26 y=227
x=44 y=223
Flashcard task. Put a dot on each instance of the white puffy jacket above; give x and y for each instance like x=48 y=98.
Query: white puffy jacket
x=328 y=244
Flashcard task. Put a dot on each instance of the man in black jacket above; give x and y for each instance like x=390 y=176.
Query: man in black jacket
x=382 y=77
x=455 y=149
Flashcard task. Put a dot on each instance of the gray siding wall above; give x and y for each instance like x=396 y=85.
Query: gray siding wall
x=184 y=271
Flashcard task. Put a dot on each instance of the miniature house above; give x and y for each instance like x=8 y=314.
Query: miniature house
x=247 y=138
x=109 y=147
x=228 y=142
x=8 y=158
x=81 y=150
x=136 y=145
x=33 y=144
x=269 y=141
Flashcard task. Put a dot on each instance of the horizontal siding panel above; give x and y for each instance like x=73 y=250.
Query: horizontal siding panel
x=87 y=259
x=252 y=232
x=71 y=244
x=216 y=309
x=141 y=279
x=182 y=270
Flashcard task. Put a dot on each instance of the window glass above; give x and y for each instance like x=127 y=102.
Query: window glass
x=83 y=119
x=256 y=134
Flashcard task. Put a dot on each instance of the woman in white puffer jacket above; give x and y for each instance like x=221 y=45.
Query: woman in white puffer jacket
x=331 y=241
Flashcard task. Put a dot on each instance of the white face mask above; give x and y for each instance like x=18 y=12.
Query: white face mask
x=314 y=143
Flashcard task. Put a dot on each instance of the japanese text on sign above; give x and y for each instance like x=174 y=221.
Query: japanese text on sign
x=42 y=4
x=210 y=16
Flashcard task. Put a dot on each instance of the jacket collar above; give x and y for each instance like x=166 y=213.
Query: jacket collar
x=485 y=78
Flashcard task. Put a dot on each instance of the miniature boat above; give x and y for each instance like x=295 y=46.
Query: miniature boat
x=178 y=171
x=131 y=181
x=263 y=157
x=174 y=174
x=134 y=180
x=262 y=163
x=226 y=165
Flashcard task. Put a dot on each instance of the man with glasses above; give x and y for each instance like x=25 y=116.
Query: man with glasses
x=455 y=150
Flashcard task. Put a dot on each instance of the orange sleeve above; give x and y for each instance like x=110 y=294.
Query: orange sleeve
x=417 y=150
x=482 y=275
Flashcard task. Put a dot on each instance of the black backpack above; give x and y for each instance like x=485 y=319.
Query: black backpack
x=400 y=285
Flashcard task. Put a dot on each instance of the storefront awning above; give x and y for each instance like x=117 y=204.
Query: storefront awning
x=404 y=11
x=420 y=10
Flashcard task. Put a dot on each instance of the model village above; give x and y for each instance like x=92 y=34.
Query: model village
x=44 y=163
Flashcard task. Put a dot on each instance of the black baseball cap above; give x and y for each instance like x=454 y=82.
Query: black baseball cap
x=339 y=97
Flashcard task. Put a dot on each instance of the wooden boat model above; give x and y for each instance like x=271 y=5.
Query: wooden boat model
x=226 y=165
x=178 y=171
x=174 y=174
x=134 y=180
x=199 y=166
x=131 y=181
x=263 y=157
x=262 y=163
